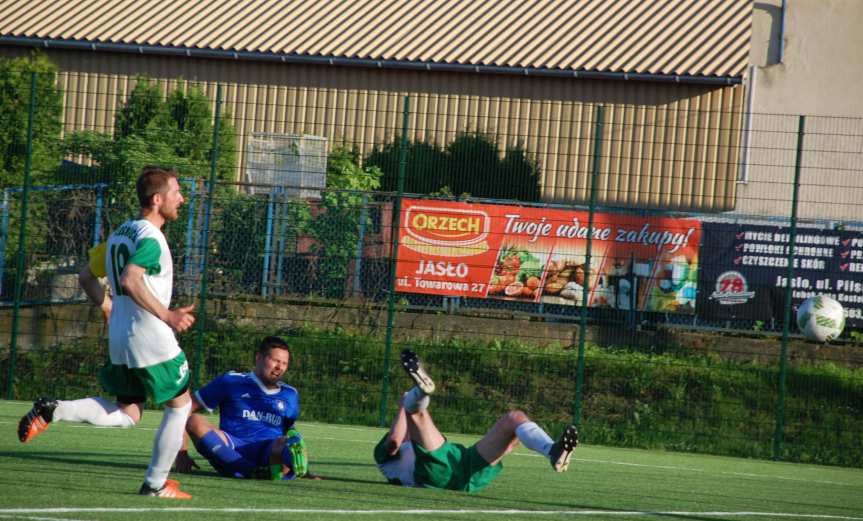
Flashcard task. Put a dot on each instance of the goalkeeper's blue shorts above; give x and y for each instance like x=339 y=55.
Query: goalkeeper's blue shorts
x=256 y=452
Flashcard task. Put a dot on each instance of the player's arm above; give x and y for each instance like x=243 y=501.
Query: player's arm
x=132 y=282
x=95 y=292
x=88 y=279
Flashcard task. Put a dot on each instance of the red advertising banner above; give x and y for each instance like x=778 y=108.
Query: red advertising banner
x=538 y=255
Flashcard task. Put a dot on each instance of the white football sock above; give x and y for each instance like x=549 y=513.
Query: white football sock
x=534 y=438
x=169 y=439
x=94 y=410
x=415 y=400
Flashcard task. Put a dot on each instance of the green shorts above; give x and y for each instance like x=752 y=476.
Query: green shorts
x=380 y=453
x=161 y=381
x=453 y=467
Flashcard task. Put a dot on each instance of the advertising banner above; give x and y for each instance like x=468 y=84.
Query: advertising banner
x=744 y=270
x=538 y=255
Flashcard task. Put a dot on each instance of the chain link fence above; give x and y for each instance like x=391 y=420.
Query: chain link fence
x=692 y=236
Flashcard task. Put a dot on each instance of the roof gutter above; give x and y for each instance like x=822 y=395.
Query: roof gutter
x=155 y=50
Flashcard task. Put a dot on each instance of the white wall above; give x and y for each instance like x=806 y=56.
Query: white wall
x=820 y=75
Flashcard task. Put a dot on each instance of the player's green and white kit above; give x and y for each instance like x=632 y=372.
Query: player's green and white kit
x=145 y=355
x=452 y=466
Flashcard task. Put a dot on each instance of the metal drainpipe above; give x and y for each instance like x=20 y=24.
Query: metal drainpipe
x=747 y=127
x=782 y=32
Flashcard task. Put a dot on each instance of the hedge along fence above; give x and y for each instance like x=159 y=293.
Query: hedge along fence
x=674 y=400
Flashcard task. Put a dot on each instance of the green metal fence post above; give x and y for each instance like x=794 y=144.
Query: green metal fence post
x=202 y=305
x=22 y=241
x=582 y=327
x=786 y=326
x=391 y=287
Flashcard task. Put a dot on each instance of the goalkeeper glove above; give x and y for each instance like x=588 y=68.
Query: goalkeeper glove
x=294 y=455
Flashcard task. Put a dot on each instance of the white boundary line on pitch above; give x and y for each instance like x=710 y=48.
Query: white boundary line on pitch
x=421 y=511
x=37 y=518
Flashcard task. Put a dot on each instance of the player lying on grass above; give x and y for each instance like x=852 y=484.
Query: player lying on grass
x=415 y=453
x=256 y=436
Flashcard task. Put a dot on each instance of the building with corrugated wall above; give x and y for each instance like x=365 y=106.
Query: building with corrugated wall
x=668 y=74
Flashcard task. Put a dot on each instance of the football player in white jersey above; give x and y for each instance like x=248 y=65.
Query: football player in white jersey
x=145 y=358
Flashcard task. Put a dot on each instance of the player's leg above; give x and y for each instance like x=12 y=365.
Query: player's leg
x=416 y=398
x=395 y=464
x=94 y=410
x=398 y=432
x=230 y=456
x=420 y=426
x=422 y=430
x=501 y=438
x=168 y=383
x=515 y=426
x=119 y=380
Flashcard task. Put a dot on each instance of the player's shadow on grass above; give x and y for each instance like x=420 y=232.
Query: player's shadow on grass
x=323 y=464
x=115 y=460
x=100 y=459
x=326 y=477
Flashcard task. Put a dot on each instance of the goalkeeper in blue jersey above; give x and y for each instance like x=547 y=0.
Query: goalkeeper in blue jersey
x=256 y=436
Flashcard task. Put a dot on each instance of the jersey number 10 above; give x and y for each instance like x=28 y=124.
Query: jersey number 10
x=119 y=256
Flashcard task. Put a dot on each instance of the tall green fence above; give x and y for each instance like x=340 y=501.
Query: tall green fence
x=465 y=250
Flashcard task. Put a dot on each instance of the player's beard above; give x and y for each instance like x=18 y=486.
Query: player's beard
x=271 y=379
x=170 y=214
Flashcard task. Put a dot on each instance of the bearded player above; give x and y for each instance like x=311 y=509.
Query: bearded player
x=145 y=358
x=257 y=410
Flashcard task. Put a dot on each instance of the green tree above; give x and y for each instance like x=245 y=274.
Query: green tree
x=470 y=164
x=239 y=228
x=15 y=92
x=335 y=228
x=144 y=105
x=15 y=78
x=426 y=166
x=476 y=168
x=150 y=128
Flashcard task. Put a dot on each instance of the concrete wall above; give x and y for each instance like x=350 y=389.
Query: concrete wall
x=819 y=74
x=46 y=326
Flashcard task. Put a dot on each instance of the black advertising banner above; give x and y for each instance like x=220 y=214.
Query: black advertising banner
x=744 y=270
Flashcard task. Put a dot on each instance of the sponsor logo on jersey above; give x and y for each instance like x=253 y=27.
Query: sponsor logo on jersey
x=245 y=395
x=266 y=417
x=128 y=230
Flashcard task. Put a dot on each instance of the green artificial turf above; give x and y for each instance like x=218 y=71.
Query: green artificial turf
x=78 y=472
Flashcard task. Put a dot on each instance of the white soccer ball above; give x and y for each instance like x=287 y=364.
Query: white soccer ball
x=820 y=318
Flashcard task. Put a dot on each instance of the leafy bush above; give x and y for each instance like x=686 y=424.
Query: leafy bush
x=471 y=164
x=15 y=86
x=671 y=401
x=15 y=79
x=153 y=129
x=335 y=227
